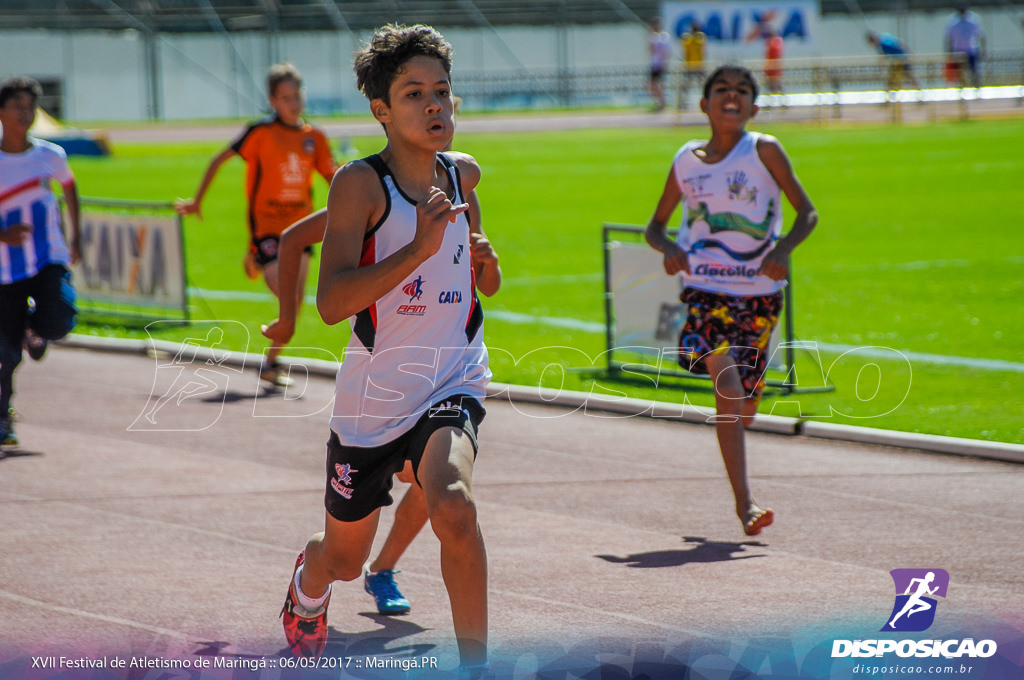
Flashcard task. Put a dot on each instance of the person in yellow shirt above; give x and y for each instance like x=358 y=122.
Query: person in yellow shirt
x=694 y=44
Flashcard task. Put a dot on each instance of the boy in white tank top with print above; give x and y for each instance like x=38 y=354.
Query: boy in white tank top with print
x=732 y=259
x=397 y=260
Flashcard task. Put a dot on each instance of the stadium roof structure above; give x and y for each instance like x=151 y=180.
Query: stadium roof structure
x=357 y=15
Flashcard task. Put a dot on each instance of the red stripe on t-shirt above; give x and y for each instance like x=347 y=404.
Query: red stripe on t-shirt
x=24 y=186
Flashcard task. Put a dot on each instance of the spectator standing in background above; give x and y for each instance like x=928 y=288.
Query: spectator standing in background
x=659 y=44
x=965 y=41
x=774 y=45
x=897 y=54
x=694 y=45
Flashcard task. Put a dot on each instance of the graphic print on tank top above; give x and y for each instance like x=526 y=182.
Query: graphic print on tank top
x=731 y=218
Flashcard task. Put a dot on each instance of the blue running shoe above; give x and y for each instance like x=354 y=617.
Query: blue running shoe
x=382 y=586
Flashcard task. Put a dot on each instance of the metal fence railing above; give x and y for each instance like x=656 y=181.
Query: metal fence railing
x=553 y=87
x=824 y=80
x=836 y=74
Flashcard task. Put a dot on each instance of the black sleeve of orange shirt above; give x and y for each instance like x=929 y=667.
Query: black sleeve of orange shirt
x=241 y=145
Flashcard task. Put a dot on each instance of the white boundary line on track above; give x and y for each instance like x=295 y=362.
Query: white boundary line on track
x=626 y=406
x=60 y=609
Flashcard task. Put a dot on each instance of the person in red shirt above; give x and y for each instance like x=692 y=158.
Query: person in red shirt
x=773 y=61
x=773 y=48
x=281 y=153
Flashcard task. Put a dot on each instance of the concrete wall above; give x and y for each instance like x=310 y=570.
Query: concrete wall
x=105 y=74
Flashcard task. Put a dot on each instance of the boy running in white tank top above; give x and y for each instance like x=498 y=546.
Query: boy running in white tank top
x=732 y=261
x=396 y=261
x=411 y=513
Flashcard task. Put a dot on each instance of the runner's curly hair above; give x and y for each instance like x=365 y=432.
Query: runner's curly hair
x=377 y=64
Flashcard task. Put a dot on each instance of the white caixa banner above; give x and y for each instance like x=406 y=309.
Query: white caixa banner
x=135 y=260
x=732 y=28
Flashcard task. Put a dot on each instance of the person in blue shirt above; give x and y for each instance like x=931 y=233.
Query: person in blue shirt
x=965 y=39
x=899 y=63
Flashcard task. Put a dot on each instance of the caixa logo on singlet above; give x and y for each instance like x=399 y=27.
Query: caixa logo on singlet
x=450 y=297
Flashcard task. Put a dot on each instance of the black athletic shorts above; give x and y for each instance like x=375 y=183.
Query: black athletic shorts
x=266 y=249
x=359 y=479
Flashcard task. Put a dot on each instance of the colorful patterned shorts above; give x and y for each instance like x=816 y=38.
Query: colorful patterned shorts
x=743 y=324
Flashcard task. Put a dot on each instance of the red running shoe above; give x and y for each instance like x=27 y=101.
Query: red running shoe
x=305 y=630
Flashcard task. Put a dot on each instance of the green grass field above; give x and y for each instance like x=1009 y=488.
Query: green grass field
x=919 y=248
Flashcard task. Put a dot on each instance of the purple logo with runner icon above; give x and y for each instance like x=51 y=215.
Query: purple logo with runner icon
x=916 y=592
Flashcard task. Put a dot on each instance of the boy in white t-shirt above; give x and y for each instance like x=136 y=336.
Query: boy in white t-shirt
x=37 y=301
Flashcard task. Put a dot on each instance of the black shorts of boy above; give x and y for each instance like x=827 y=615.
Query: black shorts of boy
x=359 y=479
x=266 y=249
x=743 y=323
x=658 y=72
x=52 y=319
